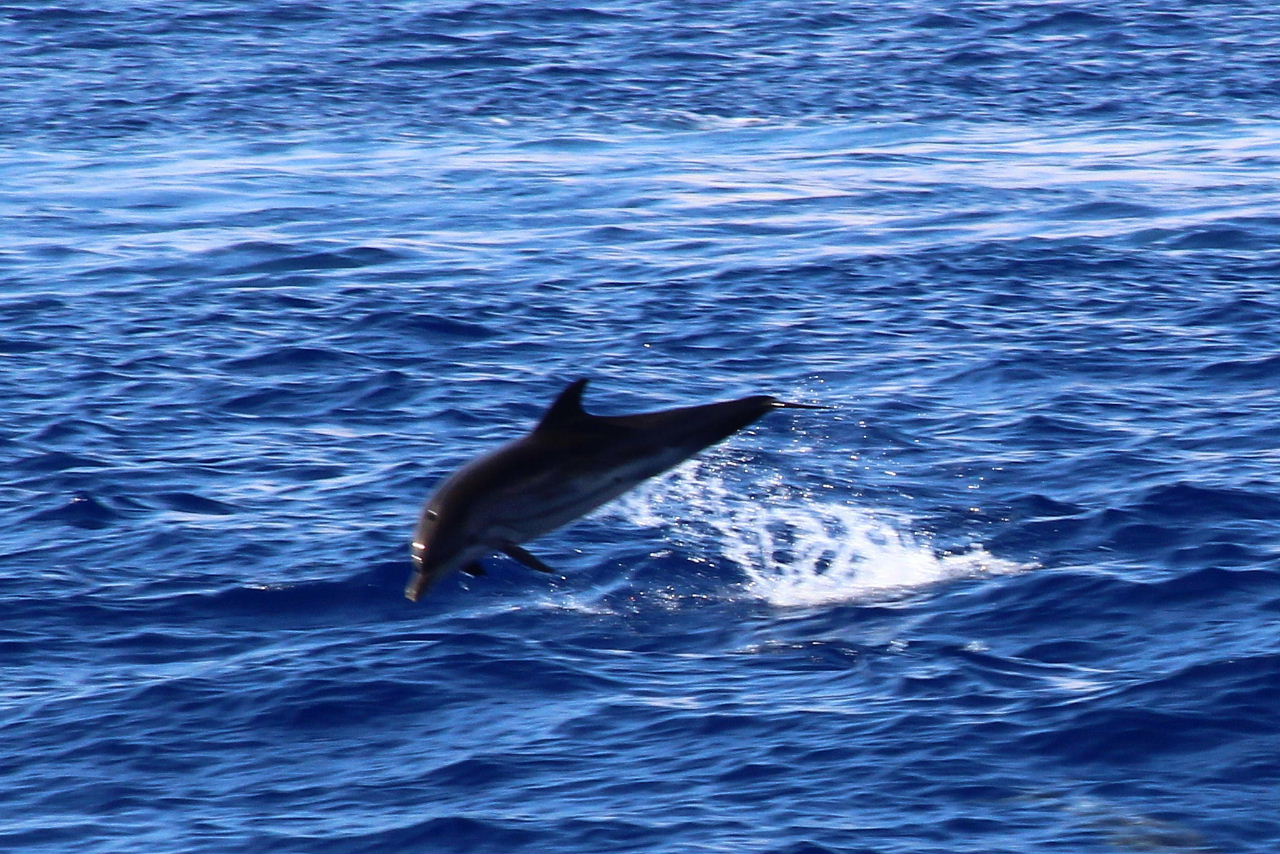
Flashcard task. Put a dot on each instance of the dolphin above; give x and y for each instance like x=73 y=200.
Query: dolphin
x=570 y=463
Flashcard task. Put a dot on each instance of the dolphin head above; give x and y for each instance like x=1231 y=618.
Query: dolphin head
x=458 y=526
x=440 y=545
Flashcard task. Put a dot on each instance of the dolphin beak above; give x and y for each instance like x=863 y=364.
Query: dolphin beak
x=417 y=585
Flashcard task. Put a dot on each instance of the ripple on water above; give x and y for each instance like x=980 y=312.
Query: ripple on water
x=1017 y=588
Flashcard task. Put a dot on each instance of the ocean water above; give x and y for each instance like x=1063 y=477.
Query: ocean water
x=272 y=269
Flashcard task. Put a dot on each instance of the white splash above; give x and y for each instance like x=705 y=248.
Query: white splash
x=800 y=550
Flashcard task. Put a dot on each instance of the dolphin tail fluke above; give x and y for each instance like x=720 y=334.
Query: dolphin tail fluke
x=517 y=553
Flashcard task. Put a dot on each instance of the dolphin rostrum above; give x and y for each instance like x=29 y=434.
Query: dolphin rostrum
x=570 y=464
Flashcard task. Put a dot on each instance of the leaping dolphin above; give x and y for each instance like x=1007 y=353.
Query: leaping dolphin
x=570 y=464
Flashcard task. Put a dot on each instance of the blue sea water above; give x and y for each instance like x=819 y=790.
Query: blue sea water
x=271 y=269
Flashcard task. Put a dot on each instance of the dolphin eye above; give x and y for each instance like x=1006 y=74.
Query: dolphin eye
x=432 y=515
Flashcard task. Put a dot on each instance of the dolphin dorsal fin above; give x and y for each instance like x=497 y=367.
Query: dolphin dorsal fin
x=567 y=408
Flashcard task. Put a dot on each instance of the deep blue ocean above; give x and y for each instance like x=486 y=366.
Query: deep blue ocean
x=270 y=270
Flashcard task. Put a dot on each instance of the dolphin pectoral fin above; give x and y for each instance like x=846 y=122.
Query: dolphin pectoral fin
x=517 y=553
x=785 y=404
x=475 y=568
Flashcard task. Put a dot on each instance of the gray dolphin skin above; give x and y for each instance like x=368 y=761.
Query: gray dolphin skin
x=570 y=464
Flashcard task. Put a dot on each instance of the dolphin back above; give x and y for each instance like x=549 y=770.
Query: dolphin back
x=686 y=428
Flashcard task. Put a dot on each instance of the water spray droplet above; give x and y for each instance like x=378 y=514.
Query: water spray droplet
x=798 y=549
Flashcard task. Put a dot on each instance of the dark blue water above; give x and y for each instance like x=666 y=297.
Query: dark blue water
x=271 y=269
